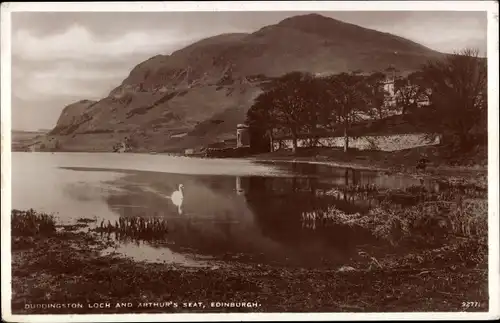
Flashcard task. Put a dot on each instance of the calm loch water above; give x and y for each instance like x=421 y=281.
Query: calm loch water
x=232 y=209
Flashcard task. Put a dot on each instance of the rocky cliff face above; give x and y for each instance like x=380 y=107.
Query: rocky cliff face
x=71 y=116
x=198 y=94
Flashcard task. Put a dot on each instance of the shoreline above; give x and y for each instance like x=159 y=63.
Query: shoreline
x=315 y=162
x=430 y=173
x=409 y=170
x=428 y=267
x=91 y=278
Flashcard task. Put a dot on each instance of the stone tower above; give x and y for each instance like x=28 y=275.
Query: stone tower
x=242 y=136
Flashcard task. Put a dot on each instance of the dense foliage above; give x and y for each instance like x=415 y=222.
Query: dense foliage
x=303 y=105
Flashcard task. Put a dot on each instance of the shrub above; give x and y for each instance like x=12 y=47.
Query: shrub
x=31 y=223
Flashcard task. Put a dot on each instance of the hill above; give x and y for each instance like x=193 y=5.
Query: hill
x=198 y=94
x=21 y=139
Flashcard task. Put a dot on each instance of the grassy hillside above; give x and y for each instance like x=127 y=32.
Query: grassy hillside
x=205 y=89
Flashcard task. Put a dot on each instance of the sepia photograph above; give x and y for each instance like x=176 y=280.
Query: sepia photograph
x=253 y=159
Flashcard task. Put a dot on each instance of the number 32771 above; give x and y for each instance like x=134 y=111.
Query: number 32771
x=471 y=304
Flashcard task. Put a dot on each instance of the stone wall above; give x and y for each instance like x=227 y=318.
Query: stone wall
x=384 y=143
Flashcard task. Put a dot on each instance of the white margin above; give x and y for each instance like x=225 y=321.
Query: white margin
x=493 y=162
x=493 y=158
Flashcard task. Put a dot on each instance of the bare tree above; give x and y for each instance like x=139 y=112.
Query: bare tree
x=409 y=91
x=349 y=95
x=406 y=95
x=459 y=98
x=290 y=106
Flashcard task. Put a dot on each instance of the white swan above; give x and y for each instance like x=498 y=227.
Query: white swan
x=177 y=198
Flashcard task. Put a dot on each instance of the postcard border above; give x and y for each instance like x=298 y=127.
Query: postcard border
x=493 y=159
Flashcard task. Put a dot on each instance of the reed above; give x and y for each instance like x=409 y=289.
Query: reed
x=417 y=214
x=361 y=188
x=136 y=228
x=432 y=220
x=31 y=223
x=330 y=216
x=457 y=208
x=469 y=217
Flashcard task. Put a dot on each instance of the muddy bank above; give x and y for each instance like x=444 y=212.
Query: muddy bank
x=67 y=268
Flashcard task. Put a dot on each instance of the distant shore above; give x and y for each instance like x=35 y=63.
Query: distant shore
x=386 y=166
x=390 y=162
x=396 y=162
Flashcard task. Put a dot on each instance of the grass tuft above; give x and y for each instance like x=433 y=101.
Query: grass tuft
x=31 y=223
x=136 y=228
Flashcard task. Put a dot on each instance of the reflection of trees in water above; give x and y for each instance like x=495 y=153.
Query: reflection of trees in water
x=296 y=212
x=279 y=208
x=284 y=207
x=309 y=194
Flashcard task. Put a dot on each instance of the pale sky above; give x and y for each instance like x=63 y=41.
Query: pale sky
x=62 y=57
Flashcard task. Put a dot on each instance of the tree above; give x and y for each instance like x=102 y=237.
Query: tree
x=287 y=109
x=317 y=109
x=288 y=106
x=260 y=123
x=406 y=95
x=349 y=95
x=459 y=94
x=409 y=91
